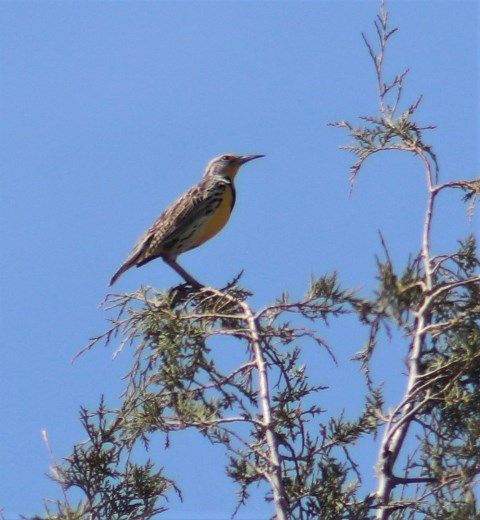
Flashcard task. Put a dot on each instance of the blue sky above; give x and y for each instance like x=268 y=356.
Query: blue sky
x=111 y=109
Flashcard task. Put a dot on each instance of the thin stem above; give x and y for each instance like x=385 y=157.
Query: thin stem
x=274 y=475
x=395 y=433
x=427 y=226
x=279 y=495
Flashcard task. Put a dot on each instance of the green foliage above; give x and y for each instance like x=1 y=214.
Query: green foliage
x=434 y=303
x=176 y=383
x=113 y=486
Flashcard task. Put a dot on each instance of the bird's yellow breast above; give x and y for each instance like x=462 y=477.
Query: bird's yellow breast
x=219 y=217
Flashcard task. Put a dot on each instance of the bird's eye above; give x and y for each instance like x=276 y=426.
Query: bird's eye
x=226 y=158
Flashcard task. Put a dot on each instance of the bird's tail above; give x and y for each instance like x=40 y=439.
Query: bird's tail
x=136 y=257
x=119 y=273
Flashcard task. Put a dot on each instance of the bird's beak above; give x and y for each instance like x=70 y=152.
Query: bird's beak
x=246 y=158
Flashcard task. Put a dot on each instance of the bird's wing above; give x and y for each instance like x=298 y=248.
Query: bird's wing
x=171 y=224
x=190 y=208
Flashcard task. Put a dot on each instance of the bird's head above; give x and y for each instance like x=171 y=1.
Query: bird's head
x=227 y=165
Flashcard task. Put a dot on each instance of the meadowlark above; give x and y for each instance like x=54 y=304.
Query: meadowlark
x=197 y=216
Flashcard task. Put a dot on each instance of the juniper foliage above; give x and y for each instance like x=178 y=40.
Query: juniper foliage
x=113 y=487
x=434 y=302
x=272 y=432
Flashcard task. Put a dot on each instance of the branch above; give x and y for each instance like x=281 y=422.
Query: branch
x=275 y=474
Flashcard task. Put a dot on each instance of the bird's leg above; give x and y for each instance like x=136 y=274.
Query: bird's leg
x=181 y=271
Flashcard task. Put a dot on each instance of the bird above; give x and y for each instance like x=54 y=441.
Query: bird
x=195 y=217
